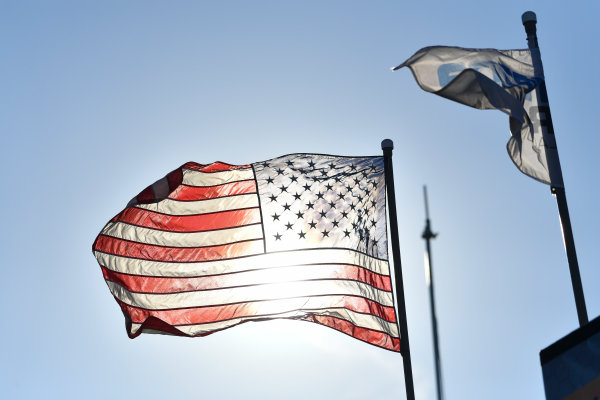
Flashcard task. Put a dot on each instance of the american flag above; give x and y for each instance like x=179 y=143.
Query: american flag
x=210 y=246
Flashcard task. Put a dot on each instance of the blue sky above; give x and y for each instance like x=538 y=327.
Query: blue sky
x=100 y=99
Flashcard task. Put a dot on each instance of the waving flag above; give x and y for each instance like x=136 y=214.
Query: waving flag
x=504 y=80
x=211 y=246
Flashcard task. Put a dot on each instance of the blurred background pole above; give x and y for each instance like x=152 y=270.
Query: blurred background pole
x=387 y=146
x=428 y=235
x=529 y=20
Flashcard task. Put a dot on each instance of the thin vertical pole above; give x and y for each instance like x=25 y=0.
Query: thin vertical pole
x=529 y=20
x=387 y=146
x=428 y=235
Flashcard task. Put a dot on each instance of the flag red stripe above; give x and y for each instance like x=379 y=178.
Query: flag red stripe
x=211 y=314
x=126 y=248
x=157 y=325
x=155 y=284
x=214 y=167
x=174 y=178
x=377 y=338
x=191 y=193
x=145 y=196
x=189 y=223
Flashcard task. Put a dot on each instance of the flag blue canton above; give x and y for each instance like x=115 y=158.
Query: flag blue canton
x=320 y=201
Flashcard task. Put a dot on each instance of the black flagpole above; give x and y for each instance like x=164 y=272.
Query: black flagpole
x=387 y=146
x=529 y=20
x=428 y=235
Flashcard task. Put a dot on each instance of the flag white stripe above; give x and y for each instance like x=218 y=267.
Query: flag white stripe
x=263 y=276
x=271 y=260
x=250 y=293
x=361 y=320
x=174 y=207
x=197 y=178
x=125 y=231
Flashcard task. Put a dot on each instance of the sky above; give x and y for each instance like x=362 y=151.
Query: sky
x=100 y=99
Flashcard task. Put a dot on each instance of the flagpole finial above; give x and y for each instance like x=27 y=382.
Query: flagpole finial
x=529 y=20
x=528 y=16
x=387 y=144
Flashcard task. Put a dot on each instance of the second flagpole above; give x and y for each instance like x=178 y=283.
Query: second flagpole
x=529 y=20
x=387 y=146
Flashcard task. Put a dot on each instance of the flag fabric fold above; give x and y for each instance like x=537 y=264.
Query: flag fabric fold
x=504 y=80
x=209 y=247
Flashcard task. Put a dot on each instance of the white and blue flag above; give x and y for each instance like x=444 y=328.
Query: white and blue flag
x=504 y=80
